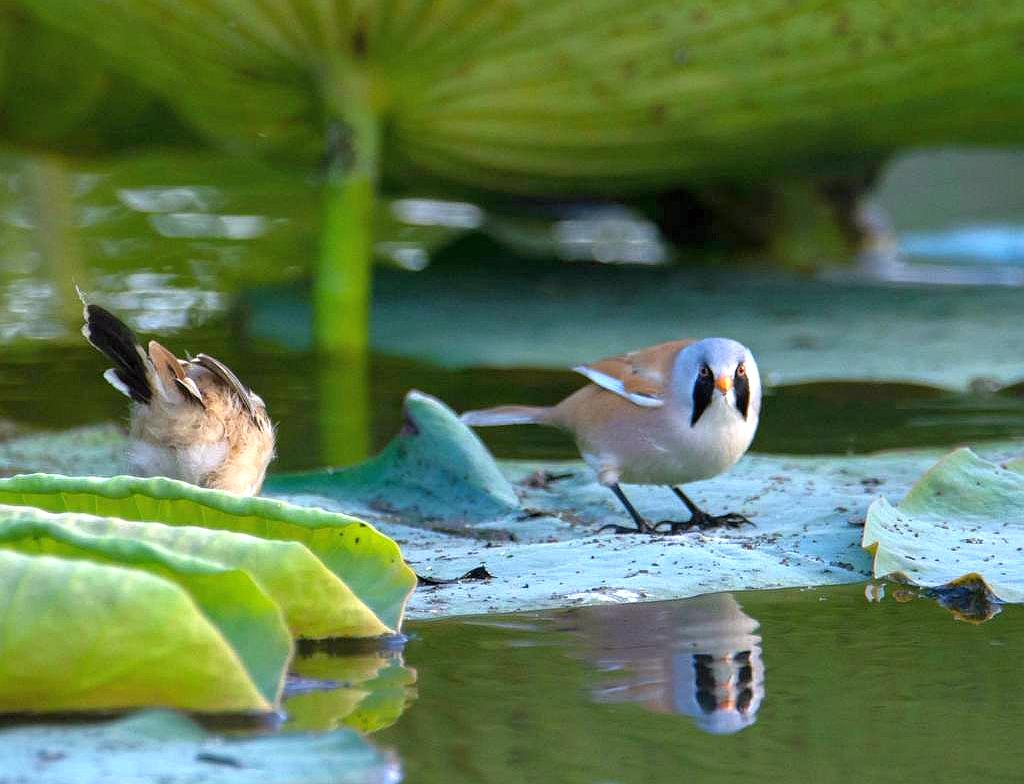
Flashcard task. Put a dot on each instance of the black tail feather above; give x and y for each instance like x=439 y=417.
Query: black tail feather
x=115 y=339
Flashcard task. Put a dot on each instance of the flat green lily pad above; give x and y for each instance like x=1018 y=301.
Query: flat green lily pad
x=94 y=450
x=962 y=522
x=158 y=747
x=369 y=563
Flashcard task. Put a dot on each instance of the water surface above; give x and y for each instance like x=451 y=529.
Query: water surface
x=815 y=685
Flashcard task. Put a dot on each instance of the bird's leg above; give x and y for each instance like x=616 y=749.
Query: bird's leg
x=642 y=526
x=701 y=519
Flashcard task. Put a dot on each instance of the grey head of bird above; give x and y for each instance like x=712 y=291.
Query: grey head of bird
x=717 y=375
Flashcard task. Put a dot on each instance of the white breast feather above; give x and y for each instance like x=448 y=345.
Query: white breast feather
x=192 y=464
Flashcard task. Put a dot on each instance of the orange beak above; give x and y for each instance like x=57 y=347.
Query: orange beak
x=723 y=384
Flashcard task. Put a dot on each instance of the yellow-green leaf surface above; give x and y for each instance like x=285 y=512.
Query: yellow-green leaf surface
x=315 y=603
x=249 y=620
x=368 y=562
x=76 y=635
x=545 y=96
x=963 y=521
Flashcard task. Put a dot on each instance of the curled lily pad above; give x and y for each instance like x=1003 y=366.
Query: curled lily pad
x=435 y=468
x=77 y=635
x=249 y=620
x=962 y=522
x=315 y=602
x=368 y=562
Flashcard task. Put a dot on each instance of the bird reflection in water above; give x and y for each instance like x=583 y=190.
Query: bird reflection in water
x=697 y=657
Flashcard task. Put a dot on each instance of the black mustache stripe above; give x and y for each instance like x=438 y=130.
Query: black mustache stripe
x=742 y=386
x=703 y=389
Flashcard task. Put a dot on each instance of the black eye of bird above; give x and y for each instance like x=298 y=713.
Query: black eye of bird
x=705 y=371
x=741 y=370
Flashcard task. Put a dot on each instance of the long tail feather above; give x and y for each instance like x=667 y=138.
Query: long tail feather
x=115 y=339
x=507 y=415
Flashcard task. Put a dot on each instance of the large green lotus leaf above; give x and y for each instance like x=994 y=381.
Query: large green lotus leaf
x=368 y=562
x=230 y=598
x=962 y=522
x=58 y=93
x=77 y=635
x=547 y=96
x=366 y=691
x=548 y=553
x=314 y=602
x=160 y=747
x=436 y=468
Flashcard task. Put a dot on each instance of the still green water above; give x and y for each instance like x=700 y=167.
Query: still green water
x=814 y=685
x=37 y=380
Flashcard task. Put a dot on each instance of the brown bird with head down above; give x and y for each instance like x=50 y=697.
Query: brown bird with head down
x=191 y=419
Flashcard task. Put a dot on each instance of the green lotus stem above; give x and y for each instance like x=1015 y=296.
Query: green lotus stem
x=49 y=190
x=341 y=295
x=342 y=288
x=344 y=392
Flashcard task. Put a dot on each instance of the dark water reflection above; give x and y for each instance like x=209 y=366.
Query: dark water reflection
x=699 y=657
x=842 y=690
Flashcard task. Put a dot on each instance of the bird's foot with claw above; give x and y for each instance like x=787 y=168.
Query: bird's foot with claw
x=628 y=529
x=703 y=523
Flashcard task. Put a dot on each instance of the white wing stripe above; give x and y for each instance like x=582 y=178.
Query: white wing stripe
x=112 y=379
x=612 y=384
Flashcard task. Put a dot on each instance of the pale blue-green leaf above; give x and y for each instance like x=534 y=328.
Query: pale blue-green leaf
x=962 y=521
x=157 y=747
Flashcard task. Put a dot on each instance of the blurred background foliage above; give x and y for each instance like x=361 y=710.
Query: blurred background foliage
x=168 y=155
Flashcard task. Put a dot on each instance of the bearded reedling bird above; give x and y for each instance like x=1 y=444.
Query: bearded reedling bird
x=191 y=419
x=670 y=414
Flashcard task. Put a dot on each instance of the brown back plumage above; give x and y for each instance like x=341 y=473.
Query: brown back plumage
x=638 y=379
x=645 y=372
x=229 y=379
